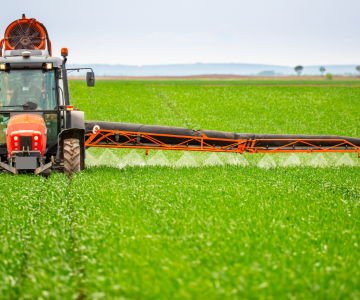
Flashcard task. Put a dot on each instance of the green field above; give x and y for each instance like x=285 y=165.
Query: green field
x=286 y=81
x=225 y=231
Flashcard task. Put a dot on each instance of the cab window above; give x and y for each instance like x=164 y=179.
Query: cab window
x=4 y=120
x=20 y=88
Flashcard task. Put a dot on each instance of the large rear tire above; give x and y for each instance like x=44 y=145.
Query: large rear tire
x=71 y=156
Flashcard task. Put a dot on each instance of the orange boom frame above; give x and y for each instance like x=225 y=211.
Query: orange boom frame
x=104 y=138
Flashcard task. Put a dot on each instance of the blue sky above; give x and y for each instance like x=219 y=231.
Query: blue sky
x=139 y=32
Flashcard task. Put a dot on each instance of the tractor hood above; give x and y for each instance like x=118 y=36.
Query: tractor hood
x=26 y=131
x=17 y=122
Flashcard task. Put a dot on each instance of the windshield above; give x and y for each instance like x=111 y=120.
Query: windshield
x=25 y=87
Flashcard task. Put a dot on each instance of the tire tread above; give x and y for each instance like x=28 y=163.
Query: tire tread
x=71 y=156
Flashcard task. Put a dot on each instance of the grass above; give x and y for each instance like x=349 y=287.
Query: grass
x=279 y=109
x=211 y=232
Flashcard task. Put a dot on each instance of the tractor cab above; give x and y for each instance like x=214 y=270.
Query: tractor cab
x=31 y=95
x=31 y=91
x=35 y=112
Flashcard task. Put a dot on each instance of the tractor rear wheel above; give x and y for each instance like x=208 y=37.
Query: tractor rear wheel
x=71 y=156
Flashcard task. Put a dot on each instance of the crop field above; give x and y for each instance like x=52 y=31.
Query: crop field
x=196 y=225
x=285 y=81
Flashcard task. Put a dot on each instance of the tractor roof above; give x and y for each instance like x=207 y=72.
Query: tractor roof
x=36 y=59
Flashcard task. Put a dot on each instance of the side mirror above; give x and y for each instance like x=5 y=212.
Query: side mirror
x=90 y=78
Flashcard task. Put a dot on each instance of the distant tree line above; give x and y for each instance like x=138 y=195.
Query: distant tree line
x=299 y=69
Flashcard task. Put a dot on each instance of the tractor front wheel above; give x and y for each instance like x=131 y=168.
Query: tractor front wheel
x=71 y=156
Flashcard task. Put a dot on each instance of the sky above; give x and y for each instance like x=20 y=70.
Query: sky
x=153 y=32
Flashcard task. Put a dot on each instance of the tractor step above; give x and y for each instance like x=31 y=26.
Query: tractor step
x=7 y=168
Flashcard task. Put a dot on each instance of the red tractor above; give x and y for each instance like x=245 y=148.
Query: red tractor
x=39 y=129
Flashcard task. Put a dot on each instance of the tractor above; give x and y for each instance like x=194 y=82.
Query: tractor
x=39 y=129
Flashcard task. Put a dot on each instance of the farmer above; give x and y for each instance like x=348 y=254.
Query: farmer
x=27 y=92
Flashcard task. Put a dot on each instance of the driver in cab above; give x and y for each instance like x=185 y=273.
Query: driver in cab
x=27 y=92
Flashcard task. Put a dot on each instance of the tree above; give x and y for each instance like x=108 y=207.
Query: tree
x=329 y=76
x=298 y=69
x=358 y=68
x=322 y=70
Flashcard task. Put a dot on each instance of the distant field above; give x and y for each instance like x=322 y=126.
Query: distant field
x=242 y=80
x=224 y=231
